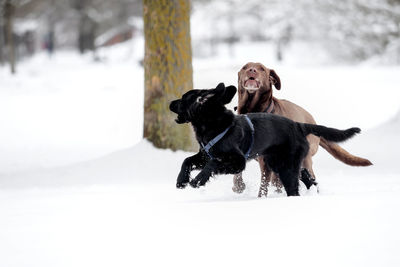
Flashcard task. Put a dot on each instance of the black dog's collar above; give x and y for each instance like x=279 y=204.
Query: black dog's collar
x=214 y=141
x=221 y=135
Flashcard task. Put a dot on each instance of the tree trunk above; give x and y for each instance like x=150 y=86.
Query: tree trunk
x=168 y=70
x=2 y=43
x=9 y=10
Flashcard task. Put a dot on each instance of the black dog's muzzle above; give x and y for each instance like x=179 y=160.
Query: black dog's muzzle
x=175 y=106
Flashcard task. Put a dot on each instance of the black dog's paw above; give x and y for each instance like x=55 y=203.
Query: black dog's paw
x=196 y=183
x=182 y=180
x=181 y=185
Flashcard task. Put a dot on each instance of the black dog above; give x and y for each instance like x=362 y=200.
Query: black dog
x=228 y=140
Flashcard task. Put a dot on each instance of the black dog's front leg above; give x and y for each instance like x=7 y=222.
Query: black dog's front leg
x=202 y=178
x=191 y=163
x=232 y=162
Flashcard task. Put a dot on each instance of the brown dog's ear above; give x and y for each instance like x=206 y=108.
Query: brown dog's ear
x=275 y=80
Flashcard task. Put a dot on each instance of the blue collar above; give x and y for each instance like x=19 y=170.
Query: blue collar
x=213 y=142
x=221 y=135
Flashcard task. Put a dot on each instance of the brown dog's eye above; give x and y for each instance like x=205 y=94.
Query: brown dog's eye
x=262 y=69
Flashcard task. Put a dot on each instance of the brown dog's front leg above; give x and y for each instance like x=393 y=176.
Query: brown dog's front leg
x=265 y=178
x=238 y=185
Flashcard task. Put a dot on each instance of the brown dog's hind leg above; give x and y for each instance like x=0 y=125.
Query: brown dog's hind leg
x=307 y=164
x=307 y=175
x=277 y=183
x=238 y=185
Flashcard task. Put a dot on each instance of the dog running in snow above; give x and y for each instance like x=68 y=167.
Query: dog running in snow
x=227 y=140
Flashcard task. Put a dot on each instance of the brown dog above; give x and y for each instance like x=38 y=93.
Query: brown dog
x=255 y=95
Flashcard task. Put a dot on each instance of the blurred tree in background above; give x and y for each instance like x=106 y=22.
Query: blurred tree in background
x=352 y=30
x=52 y=24
x=2 y=41
x=356 y=30
x=8 y=15
x=168 y=70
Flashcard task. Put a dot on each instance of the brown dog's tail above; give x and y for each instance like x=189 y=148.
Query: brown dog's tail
x=341 y=154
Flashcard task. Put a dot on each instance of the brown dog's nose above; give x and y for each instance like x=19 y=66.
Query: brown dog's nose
x=252 y=70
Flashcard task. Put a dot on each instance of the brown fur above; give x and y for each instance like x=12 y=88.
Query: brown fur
x=258 y=100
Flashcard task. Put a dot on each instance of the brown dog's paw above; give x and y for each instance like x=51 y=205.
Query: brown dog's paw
x=263 y=192
x=239 y=188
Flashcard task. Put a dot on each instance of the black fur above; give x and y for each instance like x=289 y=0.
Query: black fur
x=281 y=141
x=330 y=134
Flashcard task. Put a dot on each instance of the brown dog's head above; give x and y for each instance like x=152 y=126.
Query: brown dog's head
x=255 y=76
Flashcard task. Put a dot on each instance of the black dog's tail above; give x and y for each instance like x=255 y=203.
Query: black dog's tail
x=330 y=134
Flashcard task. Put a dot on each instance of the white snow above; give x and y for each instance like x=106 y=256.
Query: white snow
x=67 y=108
x=78 y=186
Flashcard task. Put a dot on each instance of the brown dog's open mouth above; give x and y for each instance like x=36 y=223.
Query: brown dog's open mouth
x=251 y=84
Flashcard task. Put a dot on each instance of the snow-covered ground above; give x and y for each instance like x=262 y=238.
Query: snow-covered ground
x=67 y=108
x=79 y=187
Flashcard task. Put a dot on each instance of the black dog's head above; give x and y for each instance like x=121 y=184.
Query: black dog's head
x=197 y=103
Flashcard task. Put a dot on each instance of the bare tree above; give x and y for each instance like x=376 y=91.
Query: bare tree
x=2 y=42
x=9 y=11
x=168 y=70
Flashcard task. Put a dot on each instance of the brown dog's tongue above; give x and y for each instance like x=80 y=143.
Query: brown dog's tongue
x=252 y=84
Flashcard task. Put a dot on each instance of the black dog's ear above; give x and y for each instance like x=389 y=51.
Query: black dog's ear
x=220 y=87
x=225 y=94
x=219 y=90
x=229 y=93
